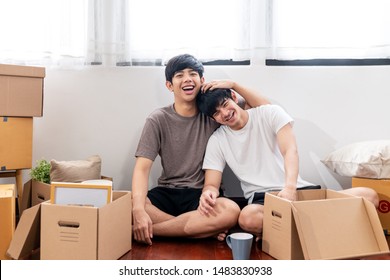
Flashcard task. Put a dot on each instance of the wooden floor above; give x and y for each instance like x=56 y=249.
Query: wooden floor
x=187 y=249
x=199 y=249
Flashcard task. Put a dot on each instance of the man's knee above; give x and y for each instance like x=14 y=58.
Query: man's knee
x=371 y=195
x=228 y=210
x=251 y=222
x=367 y=193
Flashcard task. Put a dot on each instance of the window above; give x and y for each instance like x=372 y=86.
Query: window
x=35 y=32
x=153 y=30
x=339 y=30
x=123 y=32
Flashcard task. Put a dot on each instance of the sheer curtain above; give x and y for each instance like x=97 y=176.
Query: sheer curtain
x=329 y=29
x=42 y=32
x=127 y=32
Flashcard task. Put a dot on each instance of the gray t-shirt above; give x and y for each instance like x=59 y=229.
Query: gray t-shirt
x=181 y=143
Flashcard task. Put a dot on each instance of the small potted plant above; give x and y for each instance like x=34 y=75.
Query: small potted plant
x=41 y=172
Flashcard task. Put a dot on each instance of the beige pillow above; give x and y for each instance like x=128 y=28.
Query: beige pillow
x=369 y=159
x=75 y=171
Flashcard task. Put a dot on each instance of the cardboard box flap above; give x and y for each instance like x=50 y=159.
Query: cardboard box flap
x=27 y=234
x=26 y=196
x=118 y=231
x=22 y=71
x=338 y=228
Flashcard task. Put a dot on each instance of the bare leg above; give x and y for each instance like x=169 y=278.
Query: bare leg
x=155 y=214
x=367 y=193
x=251 y=219
x=193 y=224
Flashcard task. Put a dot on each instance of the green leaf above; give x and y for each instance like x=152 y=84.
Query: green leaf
x=41 y=172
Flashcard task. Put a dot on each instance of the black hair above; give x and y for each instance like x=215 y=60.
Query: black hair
x=209 y=101
x=181 y=62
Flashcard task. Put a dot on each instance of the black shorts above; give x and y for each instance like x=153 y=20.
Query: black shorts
x=258 y=198
x=175 y=201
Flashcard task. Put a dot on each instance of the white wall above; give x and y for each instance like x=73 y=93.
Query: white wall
x=102 y=111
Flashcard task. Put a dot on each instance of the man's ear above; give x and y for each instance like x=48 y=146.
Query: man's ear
x=234 y=96
x=169 y=86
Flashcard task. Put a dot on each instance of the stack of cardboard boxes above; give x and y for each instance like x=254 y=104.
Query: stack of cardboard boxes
x=21 y=99
x=95 y=233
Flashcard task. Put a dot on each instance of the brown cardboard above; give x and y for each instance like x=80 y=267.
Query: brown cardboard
x=21 y=91
x=382 y=187
x=34 y=193
x=80 y=232
x=27 y=234
x=103 y=233
x=16 y=143
x=339 y=228
x=7 y=217
x=285 y=238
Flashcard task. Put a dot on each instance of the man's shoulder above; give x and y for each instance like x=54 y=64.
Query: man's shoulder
x=268 y=109
x=220 y=132
x=160 y=112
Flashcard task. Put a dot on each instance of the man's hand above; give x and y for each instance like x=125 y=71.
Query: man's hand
x=142 y=227
x=217 y=84
x=289 y=194
x=207 y=202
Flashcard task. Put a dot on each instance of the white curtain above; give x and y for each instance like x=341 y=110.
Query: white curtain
x=126 y=32
x=42 y=32
x=69 y=33
x=329 y=29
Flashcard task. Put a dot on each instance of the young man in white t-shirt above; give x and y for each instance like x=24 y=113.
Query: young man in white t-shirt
x=260 y=147
x=178 y=134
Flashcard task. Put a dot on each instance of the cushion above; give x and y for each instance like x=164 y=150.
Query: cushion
x=75 y=171
x=369 y=159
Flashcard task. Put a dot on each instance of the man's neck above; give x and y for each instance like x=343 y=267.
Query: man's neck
x=186 y=109
x=243 y=120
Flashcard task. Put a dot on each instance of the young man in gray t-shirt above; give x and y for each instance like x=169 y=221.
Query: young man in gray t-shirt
x=179 y=133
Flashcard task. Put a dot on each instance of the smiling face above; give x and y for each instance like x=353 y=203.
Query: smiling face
x=222 y=105
x=230 y=114
x=185 y=85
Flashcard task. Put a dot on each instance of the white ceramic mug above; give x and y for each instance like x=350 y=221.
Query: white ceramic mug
x=241 y=245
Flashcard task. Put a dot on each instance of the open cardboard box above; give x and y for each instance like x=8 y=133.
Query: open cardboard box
x=382 y=187
x=321 y=224
x=21 y=90
x=75 y=232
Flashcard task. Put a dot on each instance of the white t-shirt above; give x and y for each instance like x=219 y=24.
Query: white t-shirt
x=252 y=152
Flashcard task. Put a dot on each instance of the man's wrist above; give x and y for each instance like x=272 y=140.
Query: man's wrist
x=211 y=188
x=291 y=187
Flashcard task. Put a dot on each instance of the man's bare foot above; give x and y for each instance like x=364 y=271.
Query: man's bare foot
x=222 y=235
x=259 y=237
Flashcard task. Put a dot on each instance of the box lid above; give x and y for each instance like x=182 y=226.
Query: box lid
x=342 y=228
x=27 y=234
x=23 y=71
